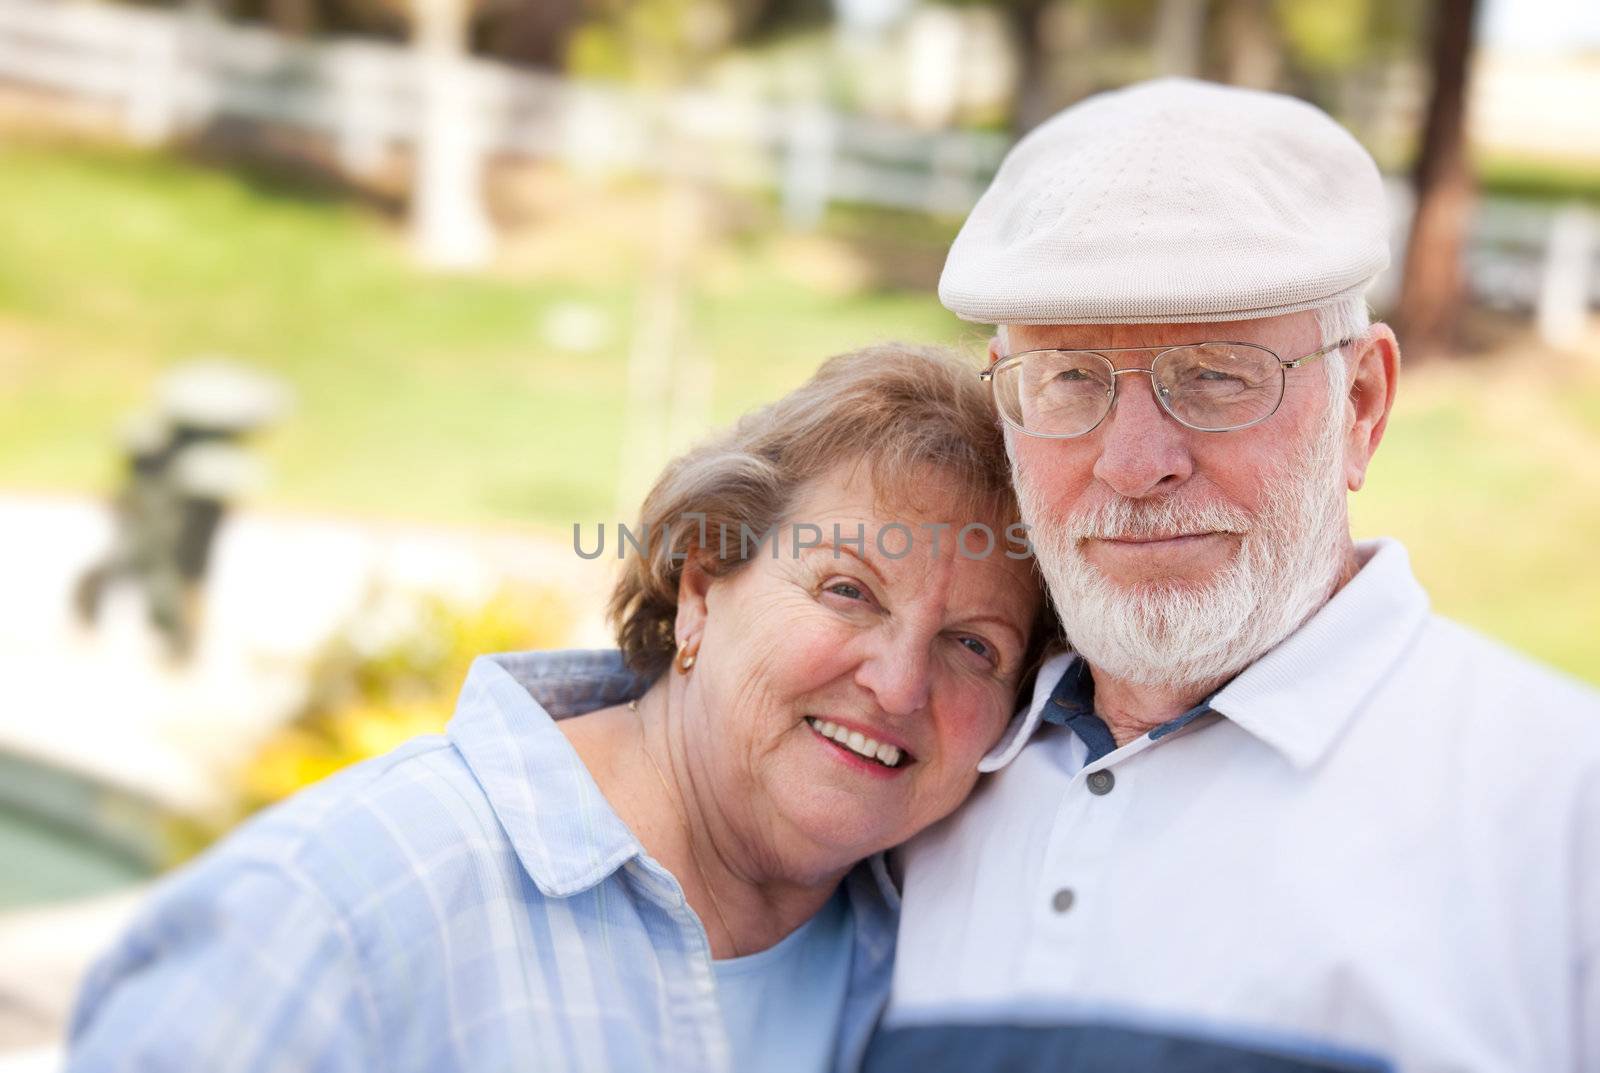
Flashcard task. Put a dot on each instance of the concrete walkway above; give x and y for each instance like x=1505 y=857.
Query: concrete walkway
x=43 y=954
x=106 y=702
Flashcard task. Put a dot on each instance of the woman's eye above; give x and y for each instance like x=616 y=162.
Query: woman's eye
x=979 y=647
x=847 y=590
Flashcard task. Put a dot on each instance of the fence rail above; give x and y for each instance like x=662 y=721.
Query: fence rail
x=168 y=72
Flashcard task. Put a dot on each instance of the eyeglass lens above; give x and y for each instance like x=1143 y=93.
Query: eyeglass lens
x=1211 y=387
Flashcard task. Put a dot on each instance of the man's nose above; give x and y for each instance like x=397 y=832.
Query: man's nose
x=1143 y=449
x=898 y=672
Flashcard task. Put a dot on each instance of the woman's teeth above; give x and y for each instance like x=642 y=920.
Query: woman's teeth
x=856 y=742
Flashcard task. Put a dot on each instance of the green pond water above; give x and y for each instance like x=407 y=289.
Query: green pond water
x=40 y=863
x=65 y=836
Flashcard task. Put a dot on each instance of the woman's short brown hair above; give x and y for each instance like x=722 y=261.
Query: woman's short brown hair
x=898 y=409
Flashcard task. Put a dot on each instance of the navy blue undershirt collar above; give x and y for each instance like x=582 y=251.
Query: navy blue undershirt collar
x=1072 y=705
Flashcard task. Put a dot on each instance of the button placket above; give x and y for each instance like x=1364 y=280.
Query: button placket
x=1084 y=842
x=1066 y=878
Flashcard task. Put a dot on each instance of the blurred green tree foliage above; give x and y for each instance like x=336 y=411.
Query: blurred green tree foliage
x=658 y=42
x=1068 y=49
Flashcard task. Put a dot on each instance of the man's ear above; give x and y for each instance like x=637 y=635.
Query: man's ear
x=693 y=585
x=997 y=349
x=1374 y=376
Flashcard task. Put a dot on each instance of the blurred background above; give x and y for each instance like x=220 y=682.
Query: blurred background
x=323 y=322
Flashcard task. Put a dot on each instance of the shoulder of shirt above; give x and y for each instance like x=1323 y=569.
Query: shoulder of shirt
x=1480 y=687
x=309 y=864
x=1469 y=662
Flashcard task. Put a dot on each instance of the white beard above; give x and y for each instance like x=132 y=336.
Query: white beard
x=1182 y=636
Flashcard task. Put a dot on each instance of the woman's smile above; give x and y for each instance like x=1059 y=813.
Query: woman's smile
x=864 y=751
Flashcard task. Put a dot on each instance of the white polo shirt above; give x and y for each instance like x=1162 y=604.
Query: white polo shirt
x=1380 y=850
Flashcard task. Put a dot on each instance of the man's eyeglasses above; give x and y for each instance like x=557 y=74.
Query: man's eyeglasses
x=1210 y=387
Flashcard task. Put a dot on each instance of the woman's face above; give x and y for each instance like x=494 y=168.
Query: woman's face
x=915 y=659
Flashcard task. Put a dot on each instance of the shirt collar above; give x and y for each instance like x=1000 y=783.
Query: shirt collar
x=1299 y=696
x=1072 y=706
x=565 y=833
x=1026 y=721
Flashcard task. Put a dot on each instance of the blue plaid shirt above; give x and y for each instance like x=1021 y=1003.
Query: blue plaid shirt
x=467 y=902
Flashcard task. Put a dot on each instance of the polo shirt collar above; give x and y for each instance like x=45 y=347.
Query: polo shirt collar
x=1072 y=706
x=564 y=832
x=1022 y=726
x=1299 y=696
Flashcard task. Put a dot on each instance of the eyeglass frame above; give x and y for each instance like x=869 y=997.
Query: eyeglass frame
x=1283 y=367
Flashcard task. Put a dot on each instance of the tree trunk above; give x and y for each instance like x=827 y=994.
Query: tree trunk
x=534 y=33
x=292 y=18
x=1180 y=32
x=1033 y=100
x=1433 y=290
x=1252 y=50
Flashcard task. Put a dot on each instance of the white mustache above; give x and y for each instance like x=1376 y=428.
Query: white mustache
x=1124 y=519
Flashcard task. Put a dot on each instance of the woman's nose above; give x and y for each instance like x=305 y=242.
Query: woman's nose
x=898 y=674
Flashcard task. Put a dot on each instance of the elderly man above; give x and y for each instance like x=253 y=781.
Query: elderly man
x=1273 y=814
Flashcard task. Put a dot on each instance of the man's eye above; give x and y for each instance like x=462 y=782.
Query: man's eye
x=1073 y=374
x=1217 y=376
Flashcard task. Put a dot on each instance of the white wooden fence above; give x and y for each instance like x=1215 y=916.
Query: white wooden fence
x=169 y=72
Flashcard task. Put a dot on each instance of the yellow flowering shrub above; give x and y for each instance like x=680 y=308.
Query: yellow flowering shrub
x=391 y=675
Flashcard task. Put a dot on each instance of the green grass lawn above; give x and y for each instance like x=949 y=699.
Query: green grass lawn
x=419 y=395
x=1488 y=476
x=451 y=398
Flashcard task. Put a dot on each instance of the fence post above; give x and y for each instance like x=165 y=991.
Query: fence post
x=151 y=106
x=450 y=224
x=361 y=123
x=1563 y=306
x=808 y=165
x=599 y=131
x=950 y=185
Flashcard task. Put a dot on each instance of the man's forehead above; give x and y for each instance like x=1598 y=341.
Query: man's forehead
x=1288 y=332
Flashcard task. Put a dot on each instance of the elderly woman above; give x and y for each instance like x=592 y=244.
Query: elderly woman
x=652 y=859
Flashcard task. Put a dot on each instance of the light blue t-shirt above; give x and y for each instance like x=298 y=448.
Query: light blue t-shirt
x=783 y=1006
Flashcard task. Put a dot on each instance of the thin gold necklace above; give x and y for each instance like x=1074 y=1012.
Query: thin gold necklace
x=716 y=906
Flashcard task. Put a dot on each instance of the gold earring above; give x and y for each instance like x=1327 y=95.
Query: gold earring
x=686 y=658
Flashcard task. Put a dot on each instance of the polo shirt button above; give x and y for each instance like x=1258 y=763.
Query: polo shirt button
x=1062 y=900
x=1100 y=782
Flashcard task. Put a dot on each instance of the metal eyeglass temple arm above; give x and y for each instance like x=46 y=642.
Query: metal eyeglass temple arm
x=1315 y=354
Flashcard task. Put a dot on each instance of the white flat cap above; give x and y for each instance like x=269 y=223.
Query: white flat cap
x=1171 y=200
